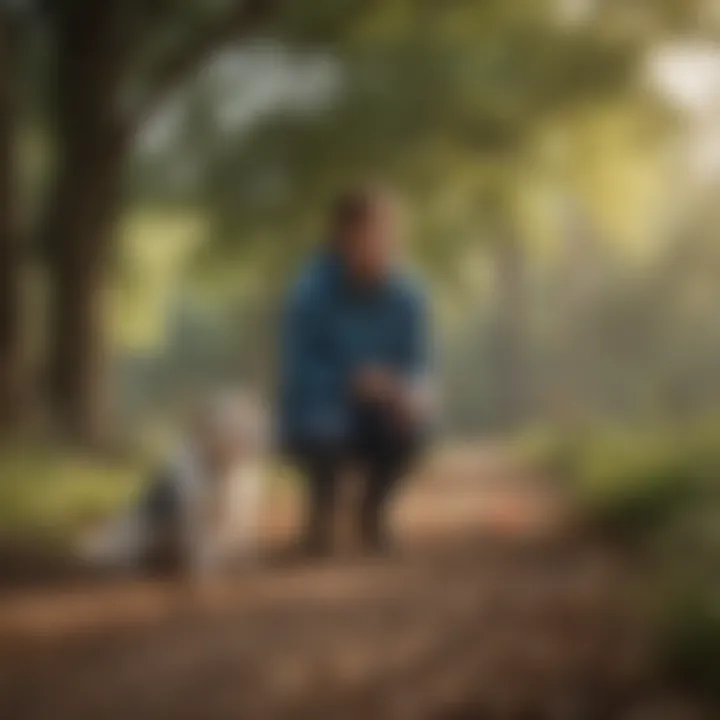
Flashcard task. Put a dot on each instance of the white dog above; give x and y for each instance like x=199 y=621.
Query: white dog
x=202 y=509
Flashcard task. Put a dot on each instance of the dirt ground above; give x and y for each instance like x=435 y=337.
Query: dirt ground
x=491 y=608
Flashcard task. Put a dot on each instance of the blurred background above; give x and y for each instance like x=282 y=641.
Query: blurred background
x=166 y=165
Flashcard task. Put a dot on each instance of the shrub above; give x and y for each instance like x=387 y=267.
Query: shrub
x=631 y=487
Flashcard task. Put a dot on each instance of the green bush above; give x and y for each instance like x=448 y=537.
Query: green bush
x=629 y=483
x=632 y=487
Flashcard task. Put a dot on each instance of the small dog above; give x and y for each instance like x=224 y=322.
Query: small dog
x=201 y=509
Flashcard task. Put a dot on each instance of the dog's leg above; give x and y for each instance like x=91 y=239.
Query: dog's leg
x=245 y=517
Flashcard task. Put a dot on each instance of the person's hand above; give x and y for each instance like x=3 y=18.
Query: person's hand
x=413 y=404
x=376 y=384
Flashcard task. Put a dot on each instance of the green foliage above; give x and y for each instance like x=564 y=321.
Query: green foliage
x=153 y=256
x=430 y=96
x=632 y=486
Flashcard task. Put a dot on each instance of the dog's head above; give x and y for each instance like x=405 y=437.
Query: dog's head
x=231 y=427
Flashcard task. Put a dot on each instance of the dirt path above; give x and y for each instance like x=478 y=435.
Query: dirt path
x=489 y=610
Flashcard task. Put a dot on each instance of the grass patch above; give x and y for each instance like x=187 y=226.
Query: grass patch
x=50 y=495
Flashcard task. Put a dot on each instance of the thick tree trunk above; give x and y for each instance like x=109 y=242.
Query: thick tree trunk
x=80 y=223
x=11 y=357
x=94 y=126
x=89 y=199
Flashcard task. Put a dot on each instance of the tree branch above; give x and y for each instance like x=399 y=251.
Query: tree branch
x=241 y=20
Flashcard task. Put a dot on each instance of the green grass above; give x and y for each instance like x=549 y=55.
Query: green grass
x=50 y=495
x=47 y=494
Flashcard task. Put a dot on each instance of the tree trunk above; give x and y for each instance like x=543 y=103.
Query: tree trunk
x=94 y=126
x=11 y=357
x=89 y=201
x=82 y=215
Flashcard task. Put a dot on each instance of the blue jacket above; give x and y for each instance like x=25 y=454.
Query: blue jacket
x=330 y=330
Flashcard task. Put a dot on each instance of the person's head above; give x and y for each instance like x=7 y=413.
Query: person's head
x=366 y=227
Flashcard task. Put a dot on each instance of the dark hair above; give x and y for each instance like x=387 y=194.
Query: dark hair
x=353 y=207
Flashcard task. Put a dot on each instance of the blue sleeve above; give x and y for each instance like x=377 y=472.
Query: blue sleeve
x=296 y=340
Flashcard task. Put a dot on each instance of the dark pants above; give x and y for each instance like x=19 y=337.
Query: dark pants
x=381 y=451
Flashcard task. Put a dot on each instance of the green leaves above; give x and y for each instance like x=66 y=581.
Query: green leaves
x=472 y=78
